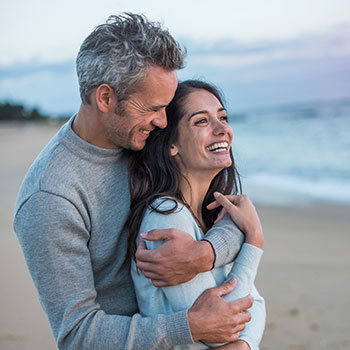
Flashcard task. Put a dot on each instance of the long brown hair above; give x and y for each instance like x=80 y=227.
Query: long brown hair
x=153 y=172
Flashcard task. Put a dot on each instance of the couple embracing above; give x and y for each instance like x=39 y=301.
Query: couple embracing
x=130 y=219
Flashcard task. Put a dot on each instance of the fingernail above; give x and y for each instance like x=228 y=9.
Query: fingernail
x=232 y=280
x=143 y=234
x=216 y=194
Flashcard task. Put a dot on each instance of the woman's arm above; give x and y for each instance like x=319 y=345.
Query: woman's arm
x=254 y=330
x=243 y=212
x=244 y=270
x=154 y=300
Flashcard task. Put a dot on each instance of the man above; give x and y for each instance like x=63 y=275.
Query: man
x=73 y=203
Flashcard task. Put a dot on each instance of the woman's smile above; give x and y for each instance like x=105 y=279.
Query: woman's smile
x=205 y=136
x=219 y=147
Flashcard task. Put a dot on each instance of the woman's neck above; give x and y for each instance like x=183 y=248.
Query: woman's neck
x=194 y=192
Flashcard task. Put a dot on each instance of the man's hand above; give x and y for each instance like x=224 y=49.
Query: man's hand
x=237 y=345
x=179 y=259
x=213 y=319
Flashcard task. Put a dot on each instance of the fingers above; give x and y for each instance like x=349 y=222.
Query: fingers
x=224 y=200
x=237 y=330
x=150 y=271
x=222 y=213
x=157 y=235
x=213 y=205
x=244 y=304
x=143 y=255
x=142 y=245
x=227 y=201
x=225 y=288
x=161 y=283
x=146 y=266
x=141 y=251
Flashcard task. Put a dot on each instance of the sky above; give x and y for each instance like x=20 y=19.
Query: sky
x=53 y=30
x=41 y=38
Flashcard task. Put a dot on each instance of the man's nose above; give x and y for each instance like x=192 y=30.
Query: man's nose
x=160 y=119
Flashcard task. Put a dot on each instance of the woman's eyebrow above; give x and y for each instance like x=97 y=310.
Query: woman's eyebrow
x=205 y=112
x=199 y=112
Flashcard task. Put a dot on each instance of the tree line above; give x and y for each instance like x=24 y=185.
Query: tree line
x=14 y=111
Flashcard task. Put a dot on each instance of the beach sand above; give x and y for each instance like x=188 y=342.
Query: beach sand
x=304 y=274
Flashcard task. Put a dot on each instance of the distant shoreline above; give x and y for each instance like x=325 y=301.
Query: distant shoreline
x=51 y=121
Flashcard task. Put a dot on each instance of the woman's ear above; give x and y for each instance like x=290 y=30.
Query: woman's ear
x=173 y=150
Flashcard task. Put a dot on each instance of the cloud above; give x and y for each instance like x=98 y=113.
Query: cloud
x=52 y=87
x=305 y=68
x=313 y=66
x=20 y=69
x=231 y=54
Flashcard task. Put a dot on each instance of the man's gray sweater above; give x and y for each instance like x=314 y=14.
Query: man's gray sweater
x=69 y=219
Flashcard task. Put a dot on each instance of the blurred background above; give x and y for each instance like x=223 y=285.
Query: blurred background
x=284 y=68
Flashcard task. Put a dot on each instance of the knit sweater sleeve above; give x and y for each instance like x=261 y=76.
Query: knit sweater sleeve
x=244 y=270
x=226 y=239
x=254 y=330
x=55 y=241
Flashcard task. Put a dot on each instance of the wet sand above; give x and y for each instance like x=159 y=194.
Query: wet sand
x=304 y=274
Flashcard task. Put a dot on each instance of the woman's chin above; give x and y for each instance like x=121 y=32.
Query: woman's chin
x=225 y=164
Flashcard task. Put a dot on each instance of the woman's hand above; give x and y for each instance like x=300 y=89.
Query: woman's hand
x=243 y=213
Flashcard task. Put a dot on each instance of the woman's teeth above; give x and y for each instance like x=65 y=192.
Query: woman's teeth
x=218 y=147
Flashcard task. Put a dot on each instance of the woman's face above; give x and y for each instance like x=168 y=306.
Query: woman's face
x=204 y=136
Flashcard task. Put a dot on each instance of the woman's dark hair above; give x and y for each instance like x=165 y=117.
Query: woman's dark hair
x=153 y=172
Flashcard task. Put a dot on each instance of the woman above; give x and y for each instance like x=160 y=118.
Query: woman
x=173 y=181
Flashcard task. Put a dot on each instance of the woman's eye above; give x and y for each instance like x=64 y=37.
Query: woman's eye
x=224 y=118
x=200 y=121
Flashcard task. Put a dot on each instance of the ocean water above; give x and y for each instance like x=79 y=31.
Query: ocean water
x=294 y=154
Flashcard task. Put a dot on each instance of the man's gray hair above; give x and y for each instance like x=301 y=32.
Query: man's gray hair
x=119 y=52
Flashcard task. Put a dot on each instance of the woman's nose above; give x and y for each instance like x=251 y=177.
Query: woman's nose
x=221 y=128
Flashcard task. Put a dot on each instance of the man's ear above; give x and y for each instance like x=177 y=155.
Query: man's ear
x=173 y=150
x=105 y=98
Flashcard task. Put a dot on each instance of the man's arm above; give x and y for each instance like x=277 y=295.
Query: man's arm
x=55 y=240
x=226 y=239
x=181 y=257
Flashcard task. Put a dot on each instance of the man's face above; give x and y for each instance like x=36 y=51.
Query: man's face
x=133 y=120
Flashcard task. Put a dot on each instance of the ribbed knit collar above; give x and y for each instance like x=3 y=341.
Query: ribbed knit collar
x=86 y=150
